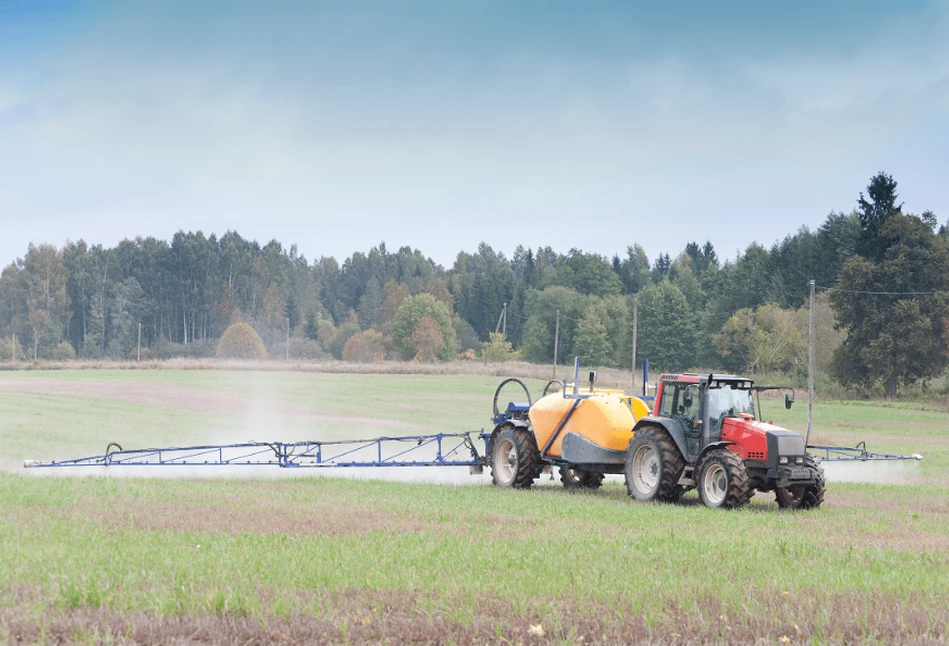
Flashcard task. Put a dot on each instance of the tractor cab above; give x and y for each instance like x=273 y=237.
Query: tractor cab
x=699 y=405
x=702 y=411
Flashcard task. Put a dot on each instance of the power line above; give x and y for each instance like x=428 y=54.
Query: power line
x=875 y=293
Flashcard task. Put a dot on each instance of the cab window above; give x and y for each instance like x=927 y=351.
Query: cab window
x=680 y=400
x=666 y=404
x=689 y=401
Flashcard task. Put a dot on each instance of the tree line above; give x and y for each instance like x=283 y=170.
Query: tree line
x=882 y=277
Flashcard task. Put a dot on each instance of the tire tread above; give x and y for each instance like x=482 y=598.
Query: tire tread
x=672 y=463
x=739 y=486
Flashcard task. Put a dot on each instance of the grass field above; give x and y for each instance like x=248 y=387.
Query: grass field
x=316 y=558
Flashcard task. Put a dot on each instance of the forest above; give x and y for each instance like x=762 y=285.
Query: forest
x=882 y=304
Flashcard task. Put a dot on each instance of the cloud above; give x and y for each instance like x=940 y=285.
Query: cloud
x=9 y=96
x=134 y=132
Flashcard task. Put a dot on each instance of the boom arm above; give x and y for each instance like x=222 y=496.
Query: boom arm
x=450 y=449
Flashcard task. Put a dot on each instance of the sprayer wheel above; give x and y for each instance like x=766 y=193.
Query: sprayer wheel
x=515 y=460
x=573 y=479
x=809 y=496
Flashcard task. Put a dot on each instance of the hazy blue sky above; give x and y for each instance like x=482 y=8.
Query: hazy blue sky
x=446 y=123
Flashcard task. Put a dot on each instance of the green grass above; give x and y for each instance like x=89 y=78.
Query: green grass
x=320 y=558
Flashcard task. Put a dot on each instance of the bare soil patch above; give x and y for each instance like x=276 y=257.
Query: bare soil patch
x=401 y=617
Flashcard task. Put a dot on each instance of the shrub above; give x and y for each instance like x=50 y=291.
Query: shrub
x=63 y=352
x=8 y=350
x=307 y=350
x=497 y=349
x=342 y=335
x=241 y=341
x=365 y=347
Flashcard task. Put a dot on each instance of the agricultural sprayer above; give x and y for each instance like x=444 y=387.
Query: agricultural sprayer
x=703 y=432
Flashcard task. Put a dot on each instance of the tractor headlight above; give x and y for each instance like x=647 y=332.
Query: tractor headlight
x=783 y=459
x=799 y=460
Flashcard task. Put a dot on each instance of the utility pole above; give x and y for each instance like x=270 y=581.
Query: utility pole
x=633 y=364
x=504 y=325
x=288 y=339
x=556 y=342
x=810 y=365
x=13 y=348
x=139 y=342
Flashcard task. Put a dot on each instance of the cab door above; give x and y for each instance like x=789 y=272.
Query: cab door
x=690 y=415
x=681 y=402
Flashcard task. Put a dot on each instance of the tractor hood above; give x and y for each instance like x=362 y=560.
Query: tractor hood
x=752 y=425
x=761 y=441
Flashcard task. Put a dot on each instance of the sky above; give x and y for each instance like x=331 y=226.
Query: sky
x=442 y=124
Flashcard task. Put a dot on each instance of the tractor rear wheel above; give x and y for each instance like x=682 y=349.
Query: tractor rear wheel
x=809 y=496
x=723 y=481
x=515 y=460
x=573 y=479
x=653 y=467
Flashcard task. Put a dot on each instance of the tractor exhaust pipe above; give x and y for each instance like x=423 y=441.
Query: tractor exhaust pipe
x=706 y=414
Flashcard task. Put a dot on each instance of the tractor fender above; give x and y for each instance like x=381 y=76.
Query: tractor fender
x=671 y=426
x=712 y=446
x=510 y=423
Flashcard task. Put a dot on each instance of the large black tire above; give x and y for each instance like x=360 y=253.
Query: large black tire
x=723 y=482
x=809 y=496
x=653 y=466
x=573 y=479
x=515 y=460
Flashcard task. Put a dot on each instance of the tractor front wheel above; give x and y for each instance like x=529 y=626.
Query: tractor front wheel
x=573 y=479
x=515 y=460
x=723 y=481
x=809 y=496
x=653 y=467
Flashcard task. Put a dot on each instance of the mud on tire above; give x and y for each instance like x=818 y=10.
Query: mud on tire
x=573 y=479
x=809 y=496
x=653 y=466
x=515 y=460
x=722 y=481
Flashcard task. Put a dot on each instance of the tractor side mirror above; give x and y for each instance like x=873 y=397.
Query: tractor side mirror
x=788 y=400
x=687 y=400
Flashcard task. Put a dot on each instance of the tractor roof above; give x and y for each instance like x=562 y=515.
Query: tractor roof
x=690 y=377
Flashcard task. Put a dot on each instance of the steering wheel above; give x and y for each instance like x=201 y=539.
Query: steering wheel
x=502 y=385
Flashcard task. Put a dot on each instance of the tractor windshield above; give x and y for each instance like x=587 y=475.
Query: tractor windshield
x=728 y=401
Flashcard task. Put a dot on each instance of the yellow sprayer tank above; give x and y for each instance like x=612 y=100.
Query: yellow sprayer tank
x=606 y=418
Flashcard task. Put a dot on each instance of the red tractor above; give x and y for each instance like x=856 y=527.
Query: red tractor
x=703 y=434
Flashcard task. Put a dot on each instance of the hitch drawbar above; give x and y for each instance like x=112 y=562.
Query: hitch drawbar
x=441 y=449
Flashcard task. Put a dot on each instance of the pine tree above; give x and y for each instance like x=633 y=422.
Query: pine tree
x=874 y=213
x=291 y=310
x=311 y=330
